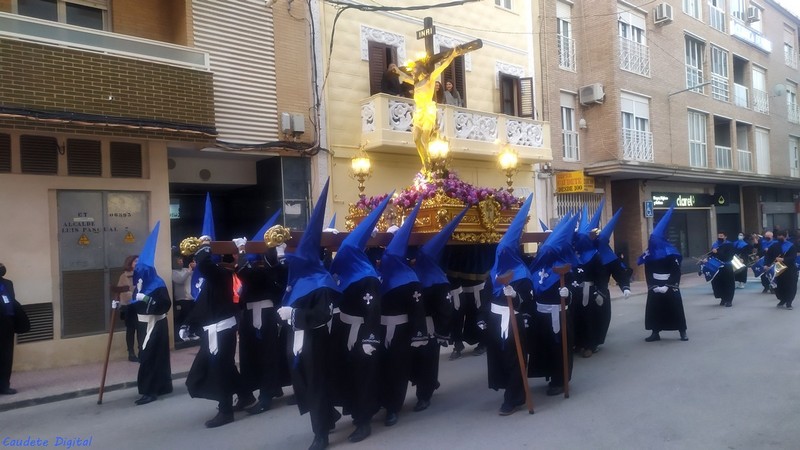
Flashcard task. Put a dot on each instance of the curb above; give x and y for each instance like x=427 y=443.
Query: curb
x=75 y=394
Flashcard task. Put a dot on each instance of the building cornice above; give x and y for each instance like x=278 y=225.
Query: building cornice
x=620 y=170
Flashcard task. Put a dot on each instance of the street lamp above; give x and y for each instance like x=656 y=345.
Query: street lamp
x=361 y=169
x=509 y=161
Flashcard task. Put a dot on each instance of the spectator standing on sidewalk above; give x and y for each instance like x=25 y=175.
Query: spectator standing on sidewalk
x=12 y=320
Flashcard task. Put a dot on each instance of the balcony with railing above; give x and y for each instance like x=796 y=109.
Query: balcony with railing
x=566 y=53
x=724 y=157
x=386 y=124
x=720 y=89
x=740 y=96
x=637 y=145
x=634 y=57
x=793 y=113
x=745 y=160
x=760 y=101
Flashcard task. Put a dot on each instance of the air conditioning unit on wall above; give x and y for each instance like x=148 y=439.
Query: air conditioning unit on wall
x=662 y=14
x=590 y=94
x=753 y=14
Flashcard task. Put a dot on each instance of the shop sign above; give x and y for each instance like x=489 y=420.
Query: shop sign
x=575 y=181
x=683 y=200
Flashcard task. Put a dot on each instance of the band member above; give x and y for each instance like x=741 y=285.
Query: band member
x=763 y=244
x=150 y=302
x=784 y=283
x=258 y=329
x=402 y=317
x=356 y=333
x=743 y=249
x=662 y=265
x=436 y=292
x=307 y=305
x=724 y=284
x=546 y=352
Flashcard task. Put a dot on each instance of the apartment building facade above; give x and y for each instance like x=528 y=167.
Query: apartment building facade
x=115 y=115
x=686 y=102
x=495 y=82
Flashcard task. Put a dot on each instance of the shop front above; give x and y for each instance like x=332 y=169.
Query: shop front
x=693 y=225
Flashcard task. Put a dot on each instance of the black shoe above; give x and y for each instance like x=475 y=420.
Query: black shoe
x=780 y=303
x=653 y=337
x=8 y=391
x=245 y=403
x=132 y=357
x=219 y=420
x=455 y=355
x=722 y=303
x=335 y=416
x=261 y=406
x=145 y=399
x=278 y=393
x=320 y=442
x=362 y=432
x=684 y=337
x=789 y=307
x=507 y=409
x=292 y=400
x=479 y=350
x=555 y=390
x=391 y=418
x=728 y=304
x=422 y=405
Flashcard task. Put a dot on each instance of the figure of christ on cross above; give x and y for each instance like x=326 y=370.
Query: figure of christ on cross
x=423 y=74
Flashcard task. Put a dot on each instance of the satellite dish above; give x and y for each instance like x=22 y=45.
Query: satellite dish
x=778 y=90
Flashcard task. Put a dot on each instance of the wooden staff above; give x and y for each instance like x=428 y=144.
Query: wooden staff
x=115 y=291
x=561 y=271
x=523 y=368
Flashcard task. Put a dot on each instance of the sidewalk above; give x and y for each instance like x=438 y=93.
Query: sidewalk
x=37 y=387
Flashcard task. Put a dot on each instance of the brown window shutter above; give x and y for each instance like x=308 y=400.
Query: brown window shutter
x=84 y=158
x=39 y=154
x=126 y=160
x=526 y=106
x=5 y=152
x=508 y=94
x=460 y=79
x=377 y=65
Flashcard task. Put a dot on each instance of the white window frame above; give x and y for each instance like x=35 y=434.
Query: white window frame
x=698 y=139
x=716 y=15
x=694 y=59
x=793 y=110
x=634 y=54
x=61 y=7
x=693 y=8
x=564 y=40
x=720 y=85
x=794 y=156
x=637 y=140
x=505 y=4
x=738 y=10
x=569 y=134
x=789 y=51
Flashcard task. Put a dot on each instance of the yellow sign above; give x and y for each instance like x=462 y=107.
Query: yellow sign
x=83 y=240
x=575 y=181
x=129 y=239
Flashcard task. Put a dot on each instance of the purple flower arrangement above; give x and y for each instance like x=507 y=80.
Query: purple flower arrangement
x=425 y=188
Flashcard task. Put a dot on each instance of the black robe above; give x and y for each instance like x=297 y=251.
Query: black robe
x=425 y=359
x=590 y=286
x=6 y=332
x=259 y=349
x=356 y=373
x=396 y=358
x=546 y=351
x=465 y=317
x=502 y=361
x=311 y=314
x=786 y=282
x=155 y=373
x=214 y=377
x=724 y=284
x=664 y=311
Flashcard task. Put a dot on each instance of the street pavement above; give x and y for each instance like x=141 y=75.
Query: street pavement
x=732 y=386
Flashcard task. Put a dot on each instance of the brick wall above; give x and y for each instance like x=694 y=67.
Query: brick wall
x=45 y=127
x=630 y=233
x=57 y=79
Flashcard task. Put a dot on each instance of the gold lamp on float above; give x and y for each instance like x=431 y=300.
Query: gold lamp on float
x=360 y=169
x=438 y=152
x=508 y=161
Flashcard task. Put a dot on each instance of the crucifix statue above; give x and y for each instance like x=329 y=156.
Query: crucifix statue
x=422 y=74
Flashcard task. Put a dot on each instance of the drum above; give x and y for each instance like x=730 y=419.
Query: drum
x=710 y=268
x=758 y=267
x=737 y=264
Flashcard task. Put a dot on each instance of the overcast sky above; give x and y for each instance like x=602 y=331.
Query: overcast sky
x=791 y=5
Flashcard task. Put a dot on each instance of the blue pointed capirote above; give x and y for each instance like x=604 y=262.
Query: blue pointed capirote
x=508 y=256
x=208 y=220
x=145 y=269
x=607 y=254
x=395 y=270
x=428 y=261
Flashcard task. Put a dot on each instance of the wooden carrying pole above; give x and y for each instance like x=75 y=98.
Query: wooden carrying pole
x=115 y=291
x=561 y=271
x=523 y=368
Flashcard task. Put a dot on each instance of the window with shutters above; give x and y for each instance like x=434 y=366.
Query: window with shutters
x=84 y=158
x=38 y=154
x=5 y=153
x=516 y=95
x=126 y=160
x=569 y=134
x=83 y=13
x=456 y=73
x=380 y=56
